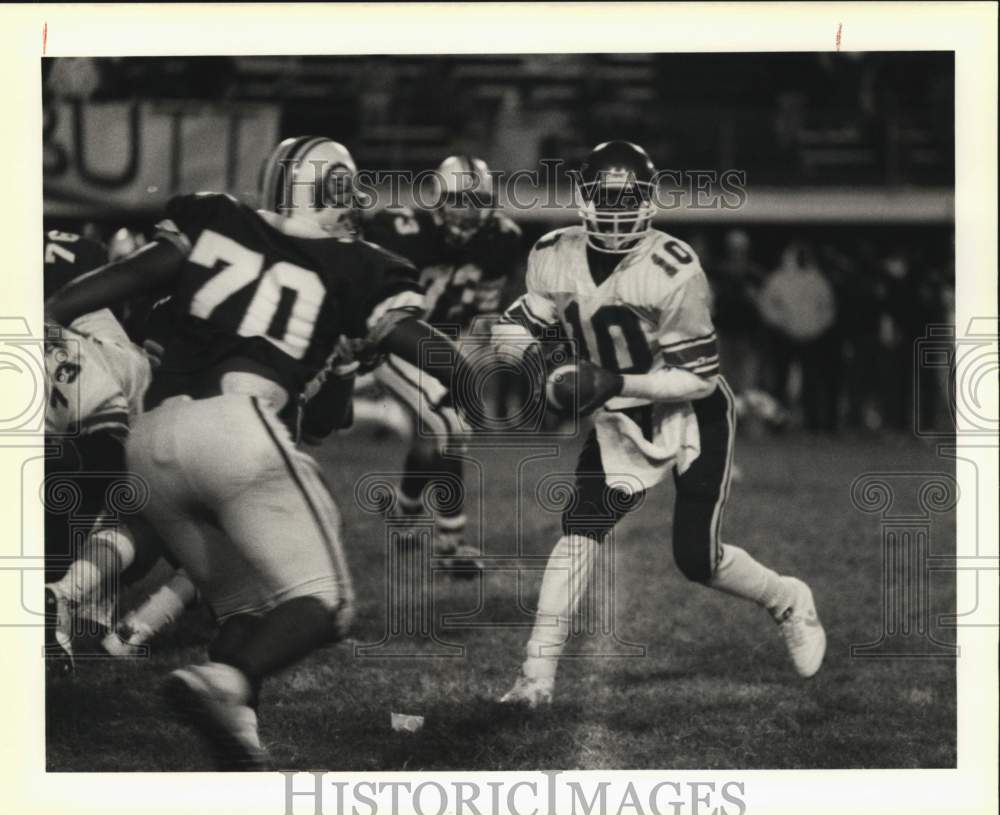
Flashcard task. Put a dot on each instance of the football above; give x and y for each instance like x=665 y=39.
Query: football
x=579 y=388
x=562 y=388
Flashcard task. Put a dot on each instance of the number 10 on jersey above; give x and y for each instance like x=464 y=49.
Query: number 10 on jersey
x=611 y=338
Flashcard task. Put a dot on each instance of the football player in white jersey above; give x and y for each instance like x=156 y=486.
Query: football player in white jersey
x=95 y=381
x=636 y=303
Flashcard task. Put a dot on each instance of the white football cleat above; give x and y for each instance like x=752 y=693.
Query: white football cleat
x=58 y=626
x=801 y=629
x=127 y=640
x=532 y=692
x=214 y=698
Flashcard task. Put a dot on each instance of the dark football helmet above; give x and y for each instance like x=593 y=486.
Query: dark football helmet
x=615 y=196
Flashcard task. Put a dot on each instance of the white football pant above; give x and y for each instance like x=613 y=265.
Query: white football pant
x=244 y=512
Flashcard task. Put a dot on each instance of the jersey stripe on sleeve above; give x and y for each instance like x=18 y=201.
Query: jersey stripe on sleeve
x=699 y=355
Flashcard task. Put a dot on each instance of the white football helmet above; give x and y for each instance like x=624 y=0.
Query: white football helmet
x=313 y=178
x=464 y=199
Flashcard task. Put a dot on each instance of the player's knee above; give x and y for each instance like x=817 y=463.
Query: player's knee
x=339 y=612
x=589 y=519
x=343 y=619
x=598 y=533
x=594 y=514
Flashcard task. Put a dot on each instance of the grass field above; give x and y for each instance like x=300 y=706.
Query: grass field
x=713 y=689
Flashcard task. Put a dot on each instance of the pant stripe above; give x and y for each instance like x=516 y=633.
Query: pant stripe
x=413 y=394
x=313 y=510
x=324 y=501
x=720 y=504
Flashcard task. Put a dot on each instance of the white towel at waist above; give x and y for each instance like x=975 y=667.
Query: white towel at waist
x=625 y=451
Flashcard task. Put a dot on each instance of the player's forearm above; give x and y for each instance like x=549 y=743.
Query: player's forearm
x=142 y=272
x=424 y=346
x=668 y=385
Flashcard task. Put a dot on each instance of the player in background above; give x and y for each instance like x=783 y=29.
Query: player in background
x=260 y=298
x=465 y=250
x=636 y=302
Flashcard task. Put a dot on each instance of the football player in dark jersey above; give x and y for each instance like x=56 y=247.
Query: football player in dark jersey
x=260 y=299
x=465 y=250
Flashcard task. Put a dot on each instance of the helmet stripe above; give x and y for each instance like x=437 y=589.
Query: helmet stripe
x=277 y=184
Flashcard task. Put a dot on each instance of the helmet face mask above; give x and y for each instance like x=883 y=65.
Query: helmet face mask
x=462 y=219
x=616 y=216
x=464 y=198
x=615 y=197
x=313 y=179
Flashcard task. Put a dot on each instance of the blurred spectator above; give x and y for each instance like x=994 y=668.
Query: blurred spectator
x=376 y=97
x=901 y=322
x=91 y=230
x=522 y=129
x=798 y=304
x=860 y=295
x=73 y=77
x=736 y=283
x=124 y=242
x=839 y=269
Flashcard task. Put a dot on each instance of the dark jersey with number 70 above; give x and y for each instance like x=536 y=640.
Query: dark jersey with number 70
x=250 y=291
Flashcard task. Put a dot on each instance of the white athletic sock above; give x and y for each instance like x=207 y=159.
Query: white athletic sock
x=161 y=608
x=454 y=524
x=408 y=504
x=742 y=576
x=566 y=579
x=94 y=574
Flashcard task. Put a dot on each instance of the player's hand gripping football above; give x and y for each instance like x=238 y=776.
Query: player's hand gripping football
x=581 y=387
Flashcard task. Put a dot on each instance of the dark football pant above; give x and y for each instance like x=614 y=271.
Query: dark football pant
x=700 y=493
